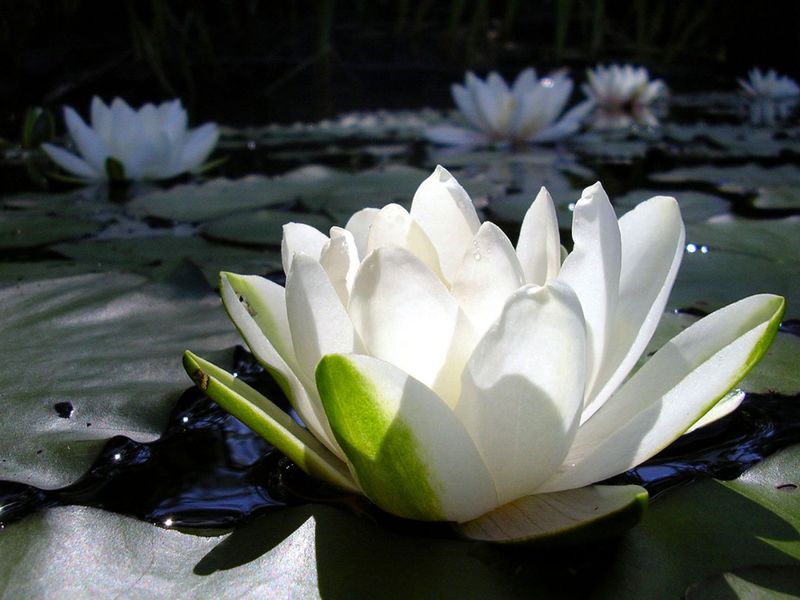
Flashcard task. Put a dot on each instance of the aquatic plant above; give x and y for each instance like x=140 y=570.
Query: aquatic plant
x=526 y=111
x=444 y=373
x=772 y=97
x=623 y=96
x=153 y=142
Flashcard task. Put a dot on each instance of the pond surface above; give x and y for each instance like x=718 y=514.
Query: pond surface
x=110 y=425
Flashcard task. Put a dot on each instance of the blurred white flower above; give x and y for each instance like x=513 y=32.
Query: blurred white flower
x=444 y=373
x=524 y=112
x=152 y=142
x=771 y=97
x=623 y=95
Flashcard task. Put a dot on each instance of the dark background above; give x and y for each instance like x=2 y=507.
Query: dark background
x=250 y=61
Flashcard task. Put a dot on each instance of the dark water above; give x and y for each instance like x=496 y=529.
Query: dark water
x=209 y=471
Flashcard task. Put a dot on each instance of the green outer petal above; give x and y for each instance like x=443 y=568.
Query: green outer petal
x=269 y=421
x=571 y=516
x=409 y=452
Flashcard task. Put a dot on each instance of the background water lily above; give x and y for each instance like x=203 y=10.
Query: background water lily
x=444 y=373
x=153 y=142
x=526 y=111
x=623 y=95
x=772 y=97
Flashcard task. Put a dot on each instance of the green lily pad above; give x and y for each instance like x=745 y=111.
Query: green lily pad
x=24 y=230
x=20 y=271
x=740 y=179
x=159 y=257
x=110 y=345
x=303 y=552
x=699 y=531
x=695 y=206
x=194 y=202
x=262 y=227
x=781 y=197
x=763 y=582
x=315 y=187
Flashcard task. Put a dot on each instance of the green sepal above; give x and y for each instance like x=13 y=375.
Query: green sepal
x=269 y=421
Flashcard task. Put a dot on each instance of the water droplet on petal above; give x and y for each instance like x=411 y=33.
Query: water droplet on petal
x=476 y=255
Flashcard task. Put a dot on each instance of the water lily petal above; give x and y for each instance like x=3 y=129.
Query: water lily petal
x=359 y=225
x=672 y=391
x=299 y=238
x=71 y=163
x=405 y=315
x=524 y=83
x=407 y=450
x=539 y=244
x=466 y=104
x=597 y=511
x=339 y=258
x=199 y=143
x=522 y=407
x=318 y=321
x=445 y=212
x=652 y=248
x=93 y=150
x=101 y=119
x=393 y=226
x=259 y=312
x=269 y=421
x=729 y=403
x=566 y=125
x=592 y=269
x=450 y=135
x=489 y=273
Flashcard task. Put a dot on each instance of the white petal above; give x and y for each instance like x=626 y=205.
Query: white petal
x=339 y=258
x=71 y=163
x=246 y=300
x=466 y=104
x=299 y=238
x=522 y=389
x=449 y=135
x=101 y=119
x=93 y=150
x=566 y=125
x=405 y=315
x=359 y=225
x=488 y=102
x=317 y=319
x=652 y=247
x=592 y=269
x=199 y=143
x=444 y=210
x=393 y=226
x=488 y=275
x=524 y=82
x=672 y=391
x=407 y=450
x=539 y=244
x=721 y=409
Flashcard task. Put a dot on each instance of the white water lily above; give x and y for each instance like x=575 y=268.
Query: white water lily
x=152 y=142
x=623 y=95
x=444 y=373
x=526 y=111
x=772 y=97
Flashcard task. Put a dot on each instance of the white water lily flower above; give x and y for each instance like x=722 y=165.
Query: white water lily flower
x=526 y=111
x=623 y=95
x=772 y=97
x=444 y=373
x=152 y=142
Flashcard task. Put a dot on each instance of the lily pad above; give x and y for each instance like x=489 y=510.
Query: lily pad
x=25 y=230
x=695 y=206
x=262 y=227
x=775 y=239
x=763 y=582
x=159 y=257
x=780 y=197
x=740 y=180
x=108 y=344
x=304 y=552
x=699 y=531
